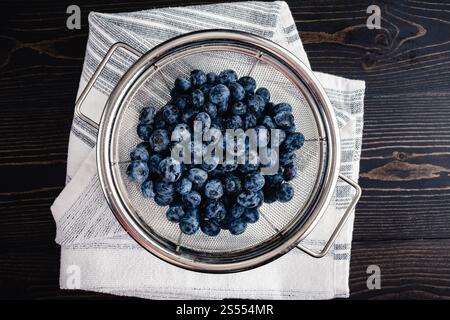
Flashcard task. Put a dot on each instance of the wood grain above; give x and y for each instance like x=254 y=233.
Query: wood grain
x=403 y=219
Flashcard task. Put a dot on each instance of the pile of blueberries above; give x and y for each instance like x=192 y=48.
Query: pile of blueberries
x=213 y=196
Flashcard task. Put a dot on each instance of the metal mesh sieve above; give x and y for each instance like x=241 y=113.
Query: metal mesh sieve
x=148 y=82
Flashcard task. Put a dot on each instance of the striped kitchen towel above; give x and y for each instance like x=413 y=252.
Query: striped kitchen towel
x=98 y=255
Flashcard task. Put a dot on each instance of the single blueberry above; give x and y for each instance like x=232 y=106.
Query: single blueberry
x=170 y=114
x=215 y=210
x=205 y=119
x=163 y=200
x=211 y=109
x=237 y=226
x=293 y=141
x=164 y=188
x=237 y=211
x=160 y=123
x=237 y=92
x=254 y=182
x=219 y=94
x=183 y=186
x=153 y=163
x=147 y=115
x=285 y=192
x=188 y=114
x=238 y=108
x=211 y=77
x=280 y=107
x=137 y=171
x=183 y=102
x=248 y=83
x=198 y=176
x=210 y=163
x=159 y=140
x=249 y=199
x=263 y=92
x=274 y=179
x=289 y=172
x=222 y=107
x=189 y=225
x=139 y=154
x=192 y=212
x=206 y=88
x=249 y=121
x=210 y=228
x=197 y=98
x=269 y=195
x=234 y=122
x=227 y=76
x=170 y=169
x=175 y=213
x=181 y=133
x=251 y=215
x=284 y=119
x=182 y=85
x=232 y=184
x=214 y=189
x=267 y=121
x=192 y=199
x=287 y=158
x=256 y=104
x=198 y=78
x=144 y=131
x=147 y=189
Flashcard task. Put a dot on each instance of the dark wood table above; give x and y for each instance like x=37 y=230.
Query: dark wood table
x=403 y=219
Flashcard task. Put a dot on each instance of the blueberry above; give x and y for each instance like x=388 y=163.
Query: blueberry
x=210 y=163
x=211 y=109
x=248 y=83
x=198 y=176
x=227 y=76
x=153 y=163
x=254 y=182
x=256 y=104
x=147 y=115
x=280 y=107
x=143 y=144
x=159 y=140
x=182 y=102
x=293 y=141
x=198 y=78
x=182 y=85
x=137 y=171
x=238 y=108
x=183 y=186
x=192 y=212
x=188 y=114
x=139 y=154
x=269 y=108
x=211 y=77
x=189 y=225
x=251 y=215
x=237 y=92
x=284 y=119
x=237 y=211
x=267 y=121
x=219 y=94
x=175 y=213
x=163 y=200
x=285 y=192
x=144 y=131
x=191 y=199
x=249 y=199
x=289 y=172
x=249 y=121
x=264 y=93
x=164 y=188
x=269 y=195
x=274 y=179
x=197 y=98
x=170 y=114
x=230 y=165
x=237 y=226
x=205 y=119
x=222 y=107
x=160 y=123
x=234 y=122
x=147 y=189
x=210 y=228
x=214 y=189
x=206 y=88
x=232 y=184
x=215 y=210
x=287 y=158
x=181 y=133
x=170 y=169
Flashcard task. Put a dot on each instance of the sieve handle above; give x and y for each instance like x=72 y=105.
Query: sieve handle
x=90 y=84
x=341 y=223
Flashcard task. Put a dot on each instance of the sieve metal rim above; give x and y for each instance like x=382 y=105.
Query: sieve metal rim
x=117 y=98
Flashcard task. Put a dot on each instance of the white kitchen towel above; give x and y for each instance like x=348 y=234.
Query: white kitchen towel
x=98 y=255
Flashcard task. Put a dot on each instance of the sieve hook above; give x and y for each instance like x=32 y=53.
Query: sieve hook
x=90 y=84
